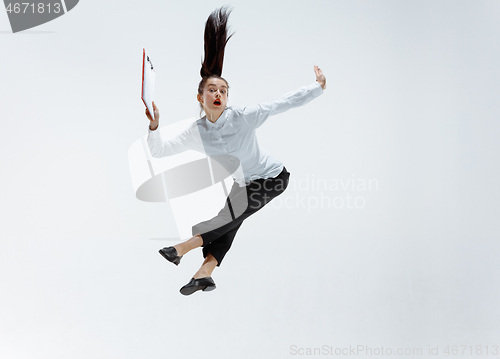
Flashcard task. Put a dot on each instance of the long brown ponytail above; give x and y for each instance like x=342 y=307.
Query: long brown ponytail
x=216 y=38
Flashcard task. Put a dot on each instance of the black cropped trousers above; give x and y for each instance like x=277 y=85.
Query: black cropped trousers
x=218 y=233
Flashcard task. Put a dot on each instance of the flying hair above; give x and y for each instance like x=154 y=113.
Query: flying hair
x=216 y=38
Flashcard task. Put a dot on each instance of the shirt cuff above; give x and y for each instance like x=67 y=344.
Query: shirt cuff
x=154 y=134
x=316 y=87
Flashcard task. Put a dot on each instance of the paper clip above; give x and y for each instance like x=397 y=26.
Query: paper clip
x=150 y=63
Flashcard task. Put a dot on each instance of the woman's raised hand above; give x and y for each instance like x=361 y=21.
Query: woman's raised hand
x=320 y=77
x=153 y=123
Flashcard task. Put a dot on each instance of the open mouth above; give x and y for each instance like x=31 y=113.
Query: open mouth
x=217 y=103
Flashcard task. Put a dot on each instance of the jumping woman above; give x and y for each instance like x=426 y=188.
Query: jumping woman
x=227 y=130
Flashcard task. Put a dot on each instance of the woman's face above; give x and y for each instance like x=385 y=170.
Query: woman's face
x=214 y=96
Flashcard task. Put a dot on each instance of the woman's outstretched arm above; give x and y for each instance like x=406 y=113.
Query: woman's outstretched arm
x=256 y=115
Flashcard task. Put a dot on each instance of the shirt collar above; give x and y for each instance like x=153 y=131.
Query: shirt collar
x=220 y=121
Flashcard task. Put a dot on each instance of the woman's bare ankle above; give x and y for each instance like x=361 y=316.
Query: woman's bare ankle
x=178 y=248
x=192 y=243
x=202 y=274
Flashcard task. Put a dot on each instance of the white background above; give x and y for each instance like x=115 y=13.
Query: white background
x=412 y=103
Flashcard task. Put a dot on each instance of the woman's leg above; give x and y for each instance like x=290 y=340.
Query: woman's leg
x=248 y=201
x=207 y=267
x=240 y=204
x=215 y=250
x=221 y=246
x=224 y=221
x=192 y=243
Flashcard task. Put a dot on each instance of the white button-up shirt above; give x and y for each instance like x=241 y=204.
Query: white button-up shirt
x=234 y=134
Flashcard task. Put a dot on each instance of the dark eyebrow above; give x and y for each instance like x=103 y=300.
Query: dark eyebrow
x=216 y=85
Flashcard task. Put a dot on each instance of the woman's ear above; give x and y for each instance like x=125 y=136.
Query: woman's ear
x=200 y=99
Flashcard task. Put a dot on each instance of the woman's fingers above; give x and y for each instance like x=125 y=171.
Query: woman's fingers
x=156 y=113
x=320 y=77
x=317 y=70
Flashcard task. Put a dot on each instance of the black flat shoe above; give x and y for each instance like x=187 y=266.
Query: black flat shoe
x=170 y=254
x=205 y=284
